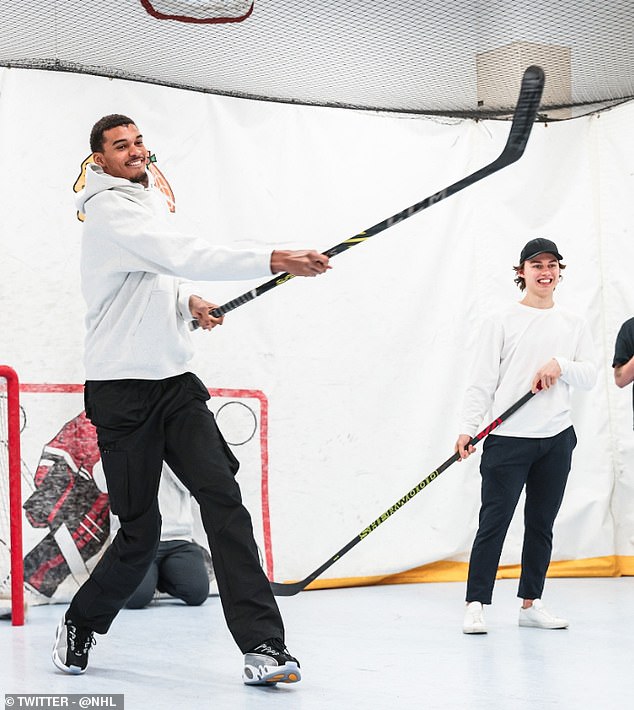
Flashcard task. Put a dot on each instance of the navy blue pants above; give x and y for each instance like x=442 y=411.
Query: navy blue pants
x=140 y=424
x=508 y=465
x=178 y=570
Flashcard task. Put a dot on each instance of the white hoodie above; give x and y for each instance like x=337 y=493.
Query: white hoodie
x=131 y=261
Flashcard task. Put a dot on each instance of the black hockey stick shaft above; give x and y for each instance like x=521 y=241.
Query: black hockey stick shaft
x=523 y=119
x=289 y=590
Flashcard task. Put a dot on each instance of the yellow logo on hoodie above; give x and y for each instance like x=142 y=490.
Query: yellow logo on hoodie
x=159 y=179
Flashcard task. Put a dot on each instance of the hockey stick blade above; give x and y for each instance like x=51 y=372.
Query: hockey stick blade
x=523 y=119
x=292 y=588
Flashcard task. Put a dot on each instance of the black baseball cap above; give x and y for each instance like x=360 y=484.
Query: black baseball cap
x=539 y=246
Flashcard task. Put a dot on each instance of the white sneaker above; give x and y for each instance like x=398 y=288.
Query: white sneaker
x=539 y=617
x=270 y=663
x=474 y=619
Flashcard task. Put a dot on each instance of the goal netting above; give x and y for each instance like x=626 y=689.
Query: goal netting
x=456 y=58
x=52 y=538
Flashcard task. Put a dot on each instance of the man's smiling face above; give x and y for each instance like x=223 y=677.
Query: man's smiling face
x=541 y=274
x=124 y=154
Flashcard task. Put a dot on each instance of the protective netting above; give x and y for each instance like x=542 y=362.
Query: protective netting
x=449 y=57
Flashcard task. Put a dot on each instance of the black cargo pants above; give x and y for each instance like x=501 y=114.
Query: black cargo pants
x=139 y=424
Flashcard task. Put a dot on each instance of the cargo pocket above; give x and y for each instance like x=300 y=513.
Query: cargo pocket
x=115 y=468
x=234 y=464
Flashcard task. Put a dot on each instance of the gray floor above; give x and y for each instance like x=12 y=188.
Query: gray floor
x=385 y=648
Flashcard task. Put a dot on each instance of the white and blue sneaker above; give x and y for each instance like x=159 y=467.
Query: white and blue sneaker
x=270 y=663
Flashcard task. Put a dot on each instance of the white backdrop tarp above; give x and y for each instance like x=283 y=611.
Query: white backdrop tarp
x=363 y=369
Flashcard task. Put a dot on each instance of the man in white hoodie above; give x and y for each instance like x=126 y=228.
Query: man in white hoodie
x=531 y=344
x=148 y=408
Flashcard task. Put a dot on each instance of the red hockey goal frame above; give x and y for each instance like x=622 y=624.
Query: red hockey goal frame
x=15 y=493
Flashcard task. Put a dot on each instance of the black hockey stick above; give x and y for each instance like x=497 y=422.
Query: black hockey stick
x=288 y=590
x=523 y=119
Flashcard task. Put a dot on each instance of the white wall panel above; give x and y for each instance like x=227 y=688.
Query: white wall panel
x=364 y=368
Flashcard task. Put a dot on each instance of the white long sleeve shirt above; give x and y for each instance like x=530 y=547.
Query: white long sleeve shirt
x=512 y=345
x=134 y=274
